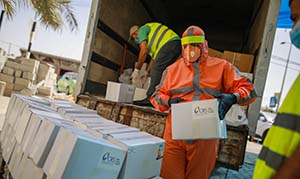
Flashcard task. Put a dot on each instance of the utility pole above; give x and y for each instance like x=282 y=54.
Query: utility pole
x=1 y=18
x=30 y=39
x=285 y=71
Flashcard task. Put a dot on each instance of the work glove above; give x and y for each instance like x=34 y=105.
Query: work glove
x=225 y=103
x=174 y=100
x=135 y=75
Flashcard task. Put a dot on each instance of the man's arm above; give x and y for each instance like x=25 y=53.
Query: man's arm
x=142 y=55
x=149 y=66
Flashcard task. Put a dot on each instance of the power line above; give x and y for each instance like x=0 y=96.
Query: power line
x=284 y=60
x=287 y=67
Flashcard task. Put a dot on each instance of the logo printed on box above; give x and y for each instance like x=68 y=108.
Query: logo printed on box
x=202 y=110
x=107 y=158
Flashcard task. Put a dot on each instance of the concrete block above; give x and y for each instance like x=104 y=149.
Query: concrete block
x=8 y=71
x=29 y=76
x=46 y=91
x=7 y=78
x=18 y=87
x=2 y=87
x=29 y=68
x=30 y=62
x=18 y=73
x=22 y=81
x=12 y=64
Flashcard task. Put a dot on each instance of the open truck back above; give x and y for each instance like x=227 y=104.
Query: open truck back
x=246 y=26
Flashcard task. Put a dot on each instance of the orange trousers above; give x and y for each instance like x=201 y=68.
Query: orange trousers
x=189 y=161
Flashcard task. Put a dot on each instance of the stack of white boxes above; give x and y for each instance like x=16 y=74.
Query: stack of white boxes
x=57 y=139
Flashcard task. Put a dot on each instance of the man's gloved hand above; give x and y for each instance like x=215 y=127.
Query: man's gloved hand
x=135 y=74
x=225 y=103
x=174 y=100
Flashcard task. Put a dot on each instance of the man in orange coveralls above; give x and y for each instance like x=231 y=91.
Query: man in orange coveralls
x=197 y=76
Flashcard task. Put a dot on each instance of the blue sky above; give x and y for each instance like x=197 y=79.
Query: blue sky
x=61 y=43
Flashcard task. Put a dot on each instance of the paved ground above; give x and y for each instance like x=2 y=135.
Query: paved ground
x=246 y=171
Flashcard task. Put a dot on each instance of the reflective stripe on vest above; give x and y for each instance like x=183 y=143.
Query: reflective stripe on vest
x=158 y=36
x=283 y=137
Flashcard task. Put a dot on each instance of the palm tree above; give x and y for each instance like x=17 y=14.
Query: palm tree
x=51 y=13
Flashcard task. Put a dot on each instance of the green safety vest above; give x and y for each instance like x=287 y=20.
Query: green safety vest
x=283 y=137
x=159 y=35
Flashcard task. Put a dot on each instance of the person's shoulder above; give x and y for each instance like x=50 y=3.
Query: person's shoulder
x=177 y=64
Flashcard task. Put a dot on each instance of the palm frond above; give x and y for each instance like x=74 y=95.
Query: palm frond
x=9 y=6
x=67 y=12
x=48 y=11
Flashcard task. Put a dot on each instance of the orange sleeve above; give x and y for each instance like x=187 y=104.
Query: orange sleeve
x=160 y=97
x=234 y=82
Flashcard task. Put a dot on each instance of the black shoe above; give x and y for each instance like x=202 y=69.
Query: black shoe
x=143 y=102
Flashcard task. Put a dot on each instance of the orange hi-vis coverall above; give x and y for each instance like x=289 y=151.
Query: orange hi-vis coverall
x=196 y=81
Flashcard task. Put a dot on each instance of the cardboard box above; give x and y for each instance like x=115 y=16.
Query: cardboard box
x=18 y=73
x=215 y=53
x=242 y=61
x=29 y=76
x=144 y=154
x=118 y=92
x=24 y=82
x=7 y=78
x=80 y=156
x=8 y=71
x=197 y=120
x=139 y=94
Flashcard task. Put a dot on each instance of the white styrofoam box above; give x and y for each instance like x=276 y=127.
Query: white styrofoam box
x=16 y=157
x=248 y=75
x=27 y=169
x=8 y=71
x=21 y=124
x=119 y=92
x=18 y=73
x=197 y=120
x=74 y=116
x=7 y=78
x=29 y=76
x=43 y=142
x=144 y=154
x=30 y=134
x=80 y=156
x=139 y=94
x=157 y=177
x=22 y=81
x=65 y=111
x=3 y=108
x=8 y=145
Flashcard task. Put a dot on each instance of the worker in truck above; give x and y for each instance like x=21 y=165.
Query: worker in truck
x=280 y=154
x=162 y=44
x=197 y=76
